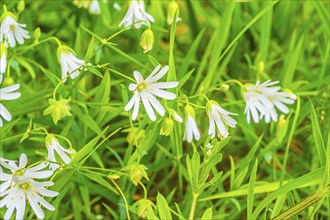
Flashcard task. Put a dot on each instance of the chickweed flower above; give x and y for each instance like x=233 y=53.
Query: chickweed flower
x=58 y=109
x=20 y=170
x=219 y=118
x=7 y=93
x=22 y=186
x=53 y=146
x=191 y=130
x=136 y=15
x=147 y=89
x=70 y=64
x=12 y=31
x=172 y=8
x=147 y=40
x=264 y=99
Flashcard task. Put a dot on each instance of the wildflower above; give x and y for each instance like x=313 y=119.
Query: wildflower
x=172 y=8
x=3 y=60
x=20 y=170
x=167 y=127
x=147 y=90
x=52 y=145
x=136 y=15
x=23 y=187
x=191 y=125
x=262 y=98
x=7 y=93
x=70 y=64
x=93 y=6
x=12 y=31
x=58 y=109
x=218 y=117
x=147 y=40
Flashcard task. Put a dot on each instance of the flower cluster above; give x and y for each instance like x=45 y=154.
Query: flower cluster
x=263 y=99
x=20 y=185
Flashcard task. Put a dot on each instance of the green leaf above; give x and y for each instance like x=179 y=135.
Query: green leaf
x=207 y=215
x=163 y=208
x=250 y=195
x=320 y=147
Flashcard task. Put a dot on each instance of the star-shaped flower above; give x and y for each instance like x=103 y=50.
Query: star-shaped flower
x=147 y=89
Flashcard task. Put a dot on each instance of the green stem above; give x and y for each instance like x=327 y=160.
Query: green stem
x=122 y=194
x=193 y=207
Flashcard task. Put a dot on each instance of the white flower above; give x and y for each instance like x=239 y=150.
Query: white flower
x=53 y=145
x=261 y=98
x=147 y=90
x=27 y=189
x=191 y=129
x=136 y=15
x=7 y=93
x=20 y=171
x=3 y=60
x=70 y=64
x=94 y=7
x=12 y=31
x=20 y=186
x=219 y=118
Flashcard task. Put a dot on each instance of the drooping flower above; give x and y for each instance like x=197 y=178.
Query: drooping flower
x=20 y=186
x=218 y=119
x=12 y=31
x=53 y=146
x=171 y=9
x=70 y=64
x=263 y=99
x=191 y=129
x=93 y=6
x=147 y=89
x=3 y=60
x=136 y=15
x=147 y=40
x=7 y=93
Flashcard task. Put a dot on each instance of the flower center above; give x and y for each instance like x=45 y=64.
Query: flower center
x=24 y=185
x=141 y=86
x=12 y=27
x=18 y=173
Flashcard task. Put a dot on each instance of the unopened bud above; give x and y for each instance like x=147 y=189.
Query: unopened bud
x=21 y=6
x=147 y=40
x=224 y=87
x=37 y=33
x=172 y=8
x=8 y=81
x=261 y=66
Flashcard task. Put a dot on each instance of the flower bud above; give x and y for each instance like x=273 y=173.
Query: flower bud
x=21 y=6
x=167 y=127
x=147 y=40
x=8 y=81
x=58 y=109
x=224 y=87
x=113 y=176
x=145 y=207
x=36 y=34
x=261 y=66
x=189 y=111
x=172 y=8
